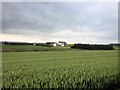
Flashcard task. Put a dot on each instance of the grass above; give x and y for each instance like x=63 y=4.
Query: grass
x=60 y=69
x=23 y=48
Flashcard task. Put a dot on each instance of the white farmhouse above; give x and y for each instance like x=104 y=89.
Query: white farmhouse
x=51 y=43
x=61 y=43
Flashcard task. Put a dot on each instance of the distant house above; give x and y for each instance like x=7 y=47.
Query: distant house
x=34 y=44
x=62 y=43
x=51 y=43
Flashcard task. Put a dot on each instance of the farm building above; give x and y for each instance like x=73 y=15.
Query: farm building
x=51 y=43
x=61 y=43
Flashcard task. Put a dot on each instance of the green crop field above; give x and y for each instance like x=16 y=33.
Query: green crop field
x=60 y=69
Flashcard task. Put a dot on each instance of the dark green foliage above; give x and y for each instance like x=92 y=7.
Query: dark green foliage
x=92 y=47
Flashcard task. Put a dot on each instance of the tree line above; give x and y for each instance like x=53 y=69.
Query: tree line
x=92 y=47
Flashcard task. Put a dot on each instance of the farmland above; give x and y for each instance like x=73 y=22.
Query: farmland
x=23 y=48
x=60 y=69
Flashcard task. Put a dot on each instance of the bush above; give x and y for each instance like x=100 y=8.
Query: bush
x=92 y=47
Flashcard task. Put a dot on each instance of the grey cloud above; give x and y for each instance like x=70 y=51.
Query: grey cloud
x=28 y=18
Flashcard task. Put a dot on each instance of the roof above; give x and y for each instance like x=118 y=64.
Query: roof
x=50 y=42
x=62 y=42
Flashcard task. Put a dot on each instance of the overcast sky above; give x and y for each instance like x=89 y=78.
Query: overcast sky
x=73 y=22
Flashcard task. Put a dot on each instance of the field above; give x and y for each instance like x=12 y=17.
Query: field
x=23 y=48
x=60 y=69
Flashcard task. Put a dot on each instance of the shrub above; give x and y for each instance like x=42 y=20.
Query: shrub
x=92 y=47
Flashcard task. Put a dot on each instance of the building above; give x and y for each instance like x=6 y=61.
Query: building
x=62 y=43
x=51 y=43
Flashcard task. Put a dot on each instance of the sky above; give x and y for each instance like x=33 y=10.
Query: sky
x=73 y=22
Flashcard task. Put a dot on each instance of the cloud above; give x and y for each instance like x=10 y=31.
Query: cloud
x=53 y=21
